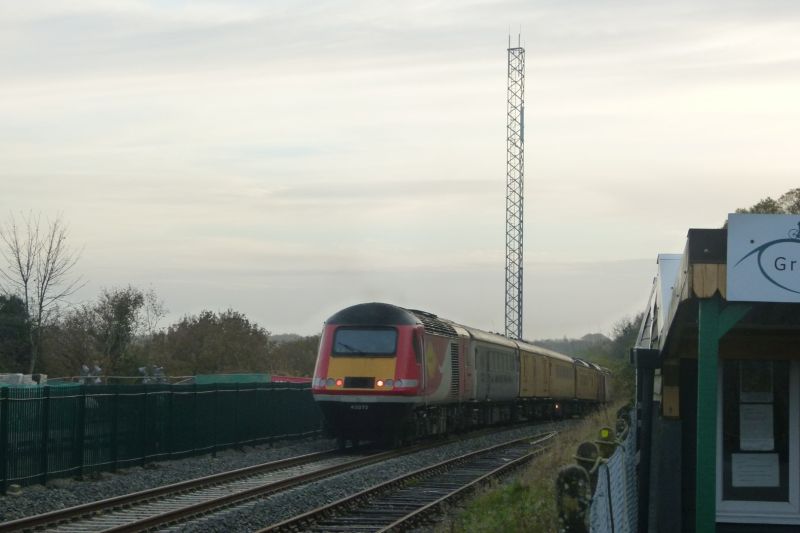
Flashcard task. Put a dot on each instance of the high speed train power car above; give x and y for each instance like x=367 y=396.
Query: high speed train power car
x=389 y=373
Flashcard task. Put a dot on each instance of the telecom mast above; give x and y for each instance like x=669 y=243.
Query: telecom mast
x=515 y=164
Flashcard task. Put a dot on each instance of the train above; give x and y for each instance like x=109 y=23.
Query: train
x=388 y=373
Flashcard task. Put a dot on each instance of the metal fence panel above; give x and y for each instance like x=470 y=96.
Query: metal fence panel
x=97 y=409
x=599 y=514
x=618 y=491
x=614 y=503
x=632 y=492
x=62 y=440
x=25 y=433
x=76 y=429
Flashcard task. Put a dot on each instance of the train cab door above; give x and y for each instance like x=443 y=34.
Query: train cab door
x=419 y=359
x=488 y=373
x=546 y=377
x=482 y=372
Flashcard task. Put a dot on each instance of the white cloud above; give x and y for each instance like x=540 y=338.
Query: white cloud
x=210 y=145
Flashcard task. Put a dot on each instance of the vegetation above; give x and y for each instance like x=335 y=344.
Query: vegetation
x=528 y=504
x=787 y=204
x=596 y=346
x=587 y=347
x=14 y=335
x=294 y=357
x=118 y=333
x=38 y=271
x=106 y=333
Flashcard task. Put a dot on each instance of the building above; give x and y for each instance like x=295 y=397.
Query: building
x=718 y=381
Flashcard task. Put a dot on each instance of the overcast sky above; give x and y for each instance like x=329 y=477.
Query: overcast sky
x=289 y=158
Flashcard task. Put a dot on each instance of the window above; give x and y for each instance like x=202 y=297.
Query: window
x=758 y=442
x=356 y=341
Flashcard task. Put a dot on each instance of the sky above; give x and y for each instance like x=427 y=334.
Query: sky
x=287 y=159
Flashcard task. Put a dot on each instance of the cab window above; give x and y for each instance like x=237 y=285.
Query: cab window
x=359 y=341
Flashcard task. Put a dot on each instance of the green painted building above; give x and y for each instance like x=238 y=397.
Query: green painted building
x=718 y=382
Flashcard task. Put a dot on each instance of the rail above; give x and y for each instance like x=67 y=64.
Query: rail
x=424 y=490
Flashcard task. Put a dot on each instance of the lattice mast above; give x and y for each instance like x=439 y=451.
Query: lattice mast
x=515 y=164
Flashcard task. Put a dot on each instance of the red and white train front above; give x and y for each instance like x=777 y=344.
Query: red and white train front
x=388 y=373
x=369 y=373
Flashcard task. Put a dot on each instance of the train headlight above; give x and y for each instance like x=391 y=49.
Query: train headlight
x=330 y=382
x=339 y=382
x=379 y=383
x=389 y=383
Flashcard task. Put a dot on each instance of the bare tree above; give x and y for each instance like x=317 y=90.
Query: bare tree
x=38 y=268
x=154 y=312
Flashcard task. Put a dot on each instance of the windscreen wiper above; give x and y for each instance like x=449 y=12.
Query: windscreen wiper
x=351 y=348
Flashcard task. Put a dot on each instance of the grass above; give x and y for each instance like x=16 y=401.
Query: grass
x=528 y=503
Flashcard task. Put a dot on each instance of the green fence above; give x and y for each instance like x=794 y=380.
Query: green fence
x=74 y=430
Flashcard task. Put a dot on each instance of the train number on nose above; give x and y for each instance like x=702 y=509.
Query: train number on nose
x=359 y=407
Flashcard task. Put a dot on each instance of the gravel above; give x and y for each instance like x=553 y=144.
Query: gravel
x=254 y=515
x=263 y=512
x=61 y=493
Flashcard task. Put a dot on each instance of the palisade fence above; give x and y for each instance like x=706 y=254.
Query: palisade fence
x=75 y=430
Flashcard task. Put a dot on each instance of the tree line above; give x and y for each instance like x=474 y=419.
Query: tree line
x=120 y=330
x=119 y=333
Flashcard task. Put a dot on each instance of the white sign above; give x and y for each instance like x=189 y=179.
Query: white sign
x=755 y=470
x=763 y=258
x=755 y=427
x=755 y=381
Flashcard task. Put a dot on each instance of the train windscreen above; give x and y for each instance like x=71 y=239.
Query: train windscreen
x=354 y=341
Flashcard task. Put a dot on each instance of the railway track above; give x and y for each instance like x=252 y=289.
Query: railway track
x=171 y=503
x=177 y=503
x=409 y=500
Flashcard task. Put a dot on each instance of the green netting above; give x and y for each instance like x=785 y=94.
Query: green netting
x=78 y=429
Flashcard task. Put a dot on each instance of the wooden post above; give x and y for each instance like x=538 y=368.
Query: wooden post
x=714 y=322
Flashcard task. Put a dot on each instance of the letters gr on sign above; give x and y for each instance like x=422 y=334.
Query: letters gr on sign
x=778 y=261
x=764 y=258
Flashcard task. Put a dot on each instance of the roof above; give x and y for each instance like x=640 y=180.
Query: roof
x=701 y=272
x=532 y=348
x=374 y=314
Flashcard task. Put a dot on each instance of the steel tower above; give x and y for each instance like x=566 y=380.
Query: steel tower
x=515 y=164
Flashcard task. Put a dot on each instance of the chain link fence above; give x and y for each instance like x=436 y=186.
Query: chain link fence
x=614 y=507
